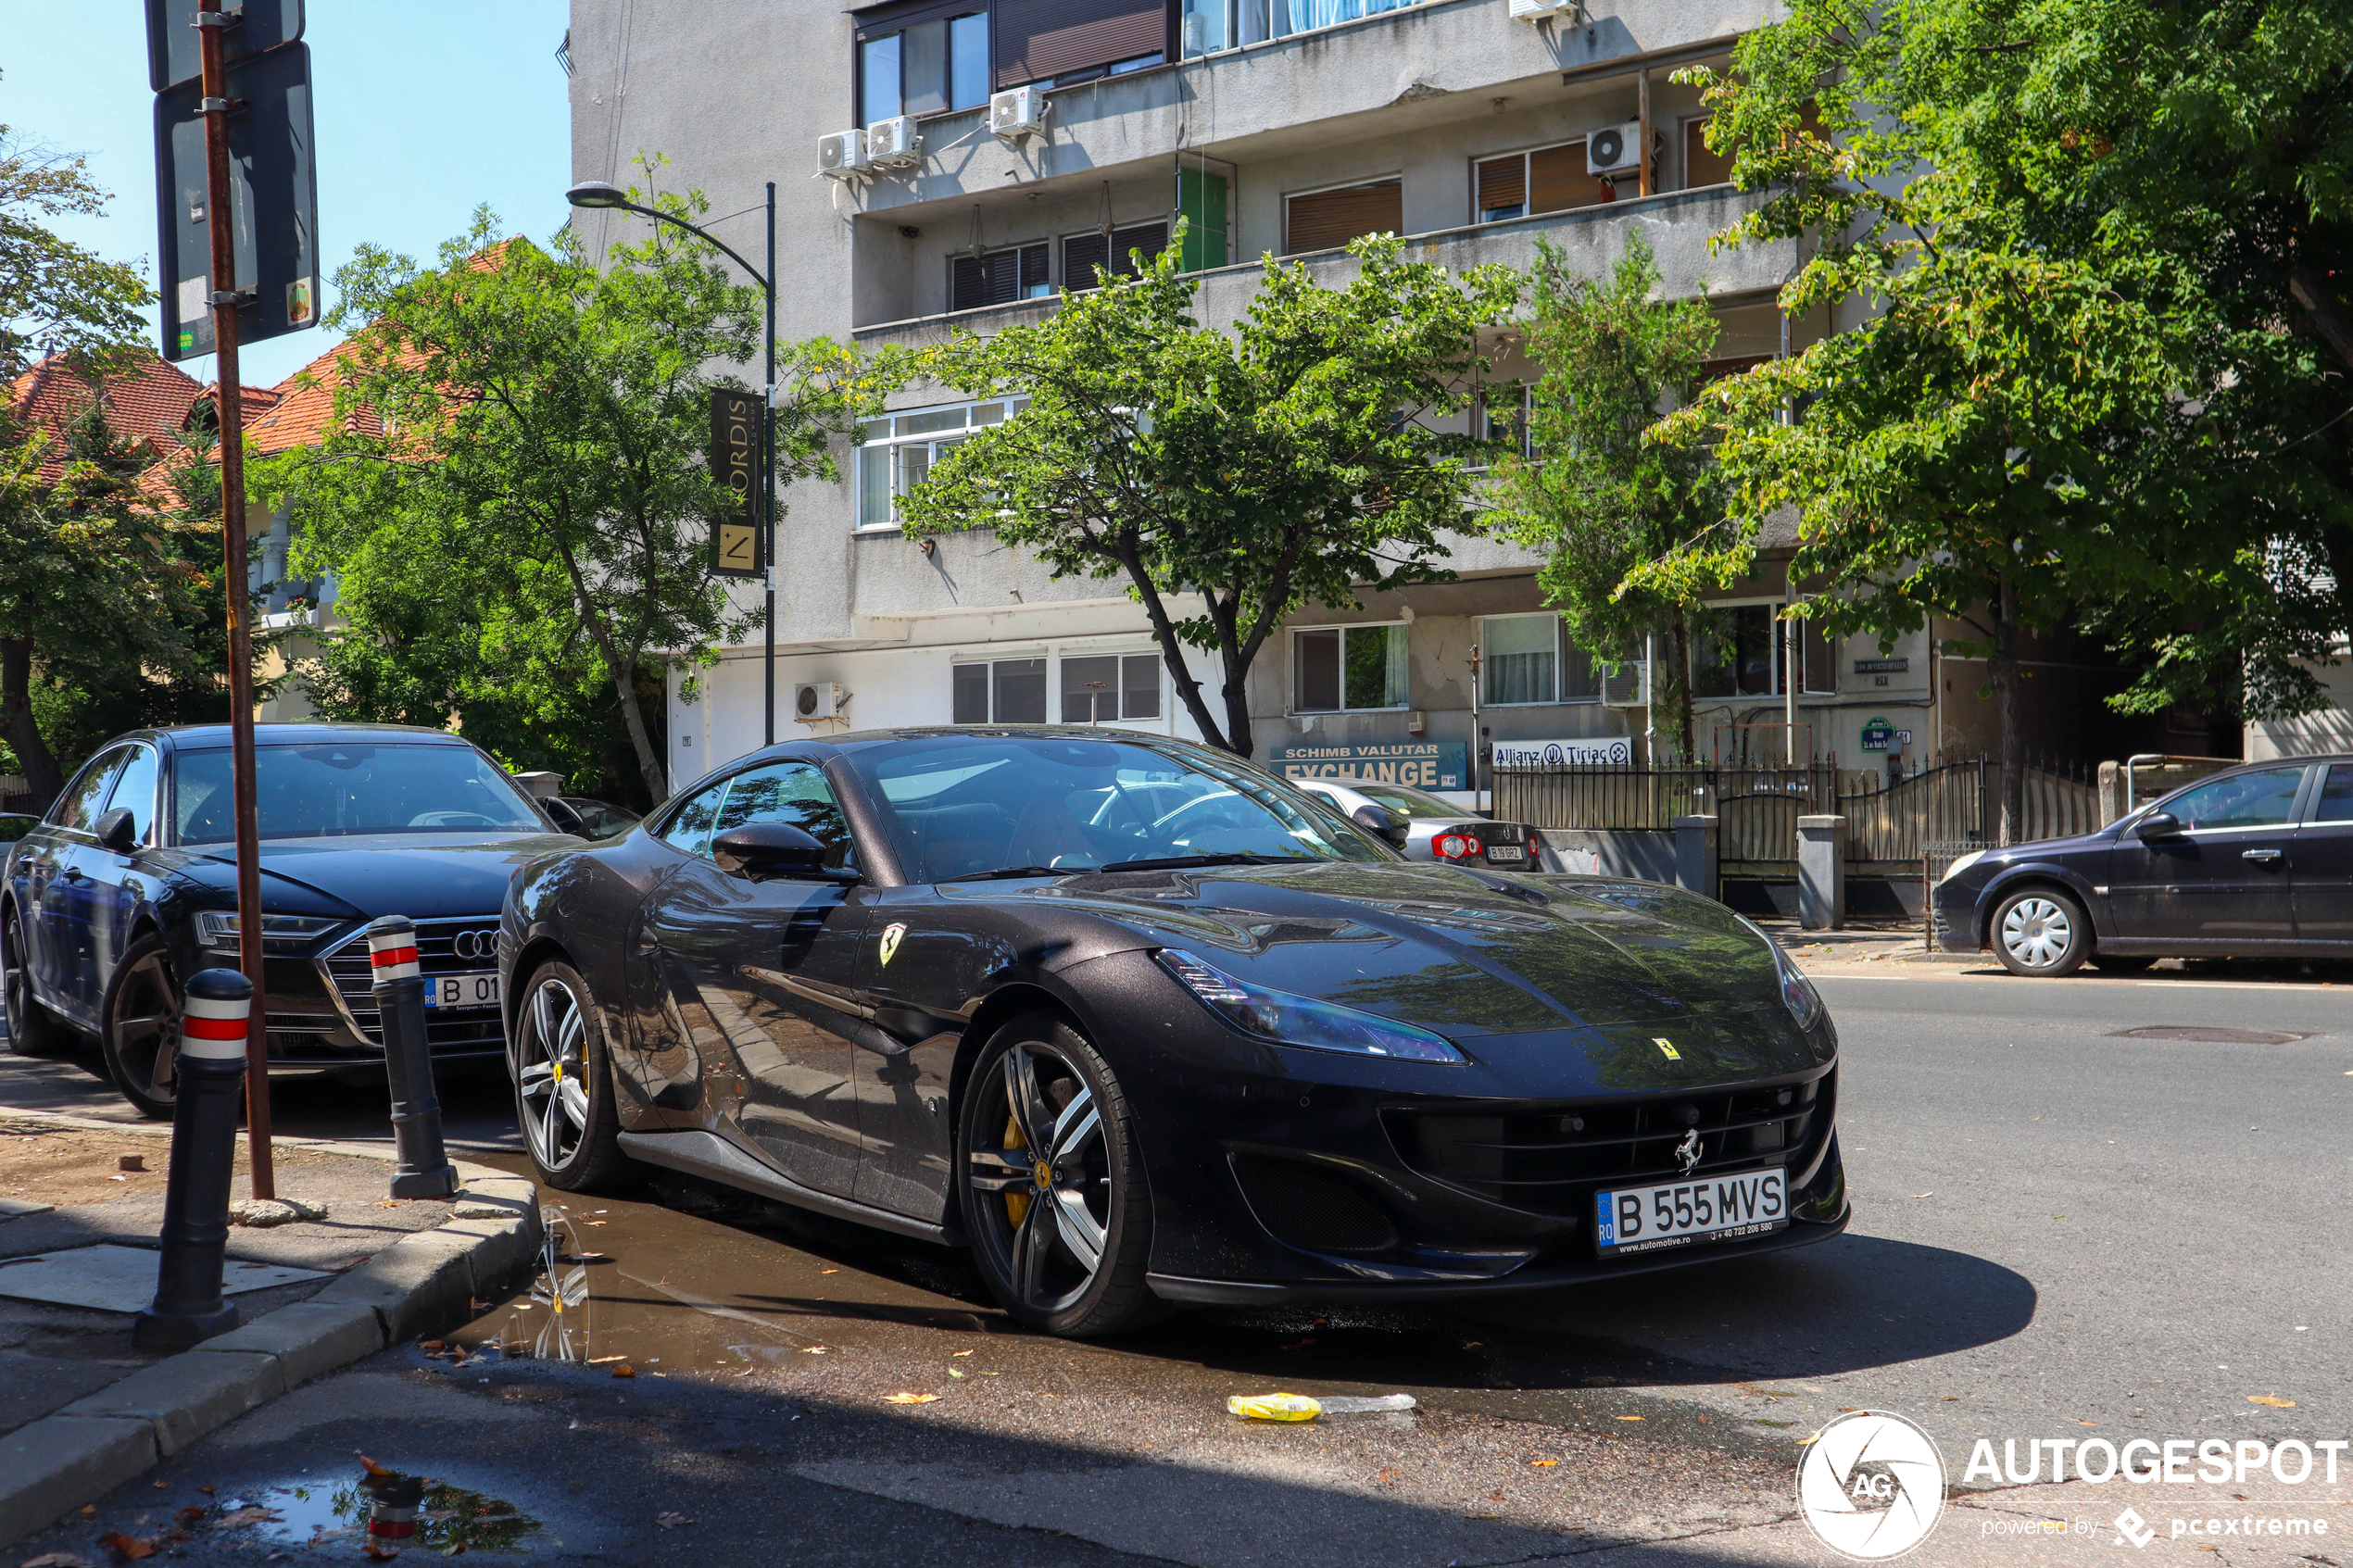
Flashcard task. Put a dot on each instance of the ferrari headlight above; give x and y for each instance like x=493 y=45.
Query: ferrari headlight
x=1303 y=1021
x=1962 y=864
x=1798 y=995
x=280 y=934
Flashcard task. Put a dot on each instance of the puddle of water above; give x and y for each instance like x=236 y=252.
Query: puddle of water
x=450 y=1519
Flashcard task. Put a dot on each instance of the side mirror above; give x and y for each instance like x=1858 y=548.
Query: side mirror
x=765 y=850
x=566 y=819
x=2157 y=825
x=116 y=830
x=1382 y=822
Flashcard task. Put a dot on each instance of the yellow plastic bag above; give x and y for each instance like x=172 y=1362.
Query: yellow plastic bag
x=1275 y=1406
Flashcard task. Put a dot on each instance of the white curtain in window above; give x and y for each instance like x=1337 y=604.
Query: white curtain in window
x=1518 y=656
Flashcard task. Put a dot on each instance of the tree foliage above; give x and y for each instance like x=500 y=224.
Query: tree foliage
x=514 y=492
x=1597 y=498
x=54 y=295
x=2083 y=389
x=1284 y=463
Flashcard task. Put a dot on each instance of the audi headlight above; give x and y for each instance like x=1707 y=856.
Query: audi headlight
x=1289 y=1019
x=1962 y=864
x=1798 y=995
x=280 y=934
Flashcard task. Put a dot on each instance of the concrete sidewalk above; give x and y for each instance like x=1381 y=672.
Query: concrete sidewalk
x=1859 y=943
x=81 y=1205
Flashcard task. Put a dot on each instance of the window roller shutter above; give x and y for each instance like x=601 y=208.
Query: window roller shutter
x=1040 y=39
x=1502 y=182
x=1328 y=218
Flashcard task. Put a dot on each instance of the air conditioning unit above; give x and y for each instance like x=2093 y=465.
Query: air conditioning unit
x=1017 y=112
x=842 y=155
x=814 y=702
x=892 y=143
x=1628 y=686
x=1613 y=149
x=1537 y=11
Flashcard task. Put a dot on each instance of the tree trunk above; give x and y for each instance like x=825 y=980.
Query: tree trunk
x=624 y=682
x=2010 y=679
x=1237 y=693
x=42 y=776
x=1678 y=687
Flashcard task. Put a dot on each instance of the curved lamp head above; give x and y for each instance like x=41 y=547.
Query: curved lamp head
x=597 y=193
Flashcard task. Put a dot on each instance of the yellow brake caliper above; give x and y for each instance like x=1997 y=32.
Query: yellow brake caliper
x=1016 y=1203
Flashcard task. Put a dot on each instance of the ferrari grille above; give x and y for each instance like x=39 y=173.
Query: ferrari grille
x=1550 y=1160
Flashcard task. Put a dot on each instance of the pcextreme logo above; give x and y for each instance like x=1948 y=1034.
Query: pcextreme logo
x=1870 y=1486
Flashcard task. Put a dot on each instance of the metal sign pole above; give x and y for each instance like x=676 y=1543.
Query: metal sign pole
x=221 y=224
x=768 y=483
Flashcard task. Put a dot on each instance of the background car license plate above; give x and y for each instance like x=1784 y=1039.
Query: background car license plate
x=1713 y=1209
x=1506 y=852
x=479 y=990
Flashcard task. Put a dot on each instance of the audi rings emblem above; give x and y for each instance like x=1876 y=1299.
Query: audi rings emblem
x=475 y=945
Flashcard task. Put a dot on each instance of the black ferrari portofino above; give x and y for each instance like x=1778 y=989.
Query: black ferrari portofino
x=1139 y=1024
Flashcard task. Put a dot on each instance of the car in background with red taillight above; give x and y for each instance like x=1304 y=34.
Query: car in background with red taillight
x=1436 y=829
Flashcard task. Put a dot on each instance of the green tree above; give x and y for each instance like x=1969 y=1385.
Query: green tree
x=1285 y=463
x=2049 y=413
x=57 y=296
x=521 y=438
x=1596 y=498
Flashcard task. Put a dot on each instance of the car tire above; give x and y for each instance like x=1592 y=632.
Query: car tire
x=2041 y=932
x=2123 y=963
x=1072 y=1266
x=33 y=1029
x=138 y=1026
x=563 y=1084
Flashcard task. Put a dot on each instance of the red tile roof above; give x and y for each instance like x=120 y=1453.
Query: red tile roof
x=148 y=404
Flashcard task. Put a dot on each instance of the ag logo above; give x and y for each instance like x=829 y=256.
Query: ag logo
x=1870 y=1486
x=890 y=935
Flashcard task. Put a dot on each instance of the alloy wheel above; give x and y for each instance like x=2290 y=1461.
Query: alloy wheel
x=552 y=1083
x=142 y=1029
x=1044 y=1200
x=2036 y=932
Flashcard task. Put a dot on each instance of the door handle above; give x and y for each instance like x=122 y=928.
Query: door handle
x=2266 y=856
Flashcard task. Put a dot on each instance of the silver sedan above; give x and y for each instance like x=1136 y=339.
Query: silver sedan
x=1435 y=829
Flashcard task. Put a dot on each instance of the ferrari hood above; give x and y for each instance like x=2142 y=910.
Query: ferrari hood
x=1462 y=952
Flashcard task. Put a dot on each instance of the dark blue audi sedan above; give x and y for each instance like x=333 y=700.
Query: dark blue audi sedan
x=128 y=885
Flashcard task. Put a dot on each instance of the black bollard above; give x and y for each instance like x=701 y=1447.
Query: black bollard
x=424 y=1170
x=208 y=1100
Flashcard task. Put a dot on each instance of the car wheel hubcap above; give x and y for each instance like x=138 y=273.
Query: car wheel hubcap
x=2036 y=932
x=553 y=1084
x=1044 y=1199
x=145 y=1027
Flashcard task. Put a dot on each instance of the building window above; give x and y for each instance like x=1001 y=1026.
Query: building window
x=1743 y=655
x=1057 y=43
x=1501 y=415
x=900 y=449
x=1519 y=659
x=1700 y=166
x=1210 y=25
x=923 y=67
x=1343 y=667
x=1001 y=691
x=1546 y=180
x=1107 y=688
x=1116 y=253
x=1328 y=219
x=1001 y=277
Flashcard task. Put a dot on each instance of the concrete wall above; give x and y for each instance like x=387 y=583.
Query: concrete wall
x=2329 y=729
x=1636 y=852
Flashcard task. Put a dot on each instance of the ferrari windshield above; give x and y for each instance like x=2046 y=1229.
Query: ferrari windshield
x=973 y=806
x=330 y=791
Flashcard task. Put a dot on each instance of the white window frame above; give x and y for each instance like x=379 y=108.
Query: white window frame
x=1157 y=724
x=1403 y=705
x=1560 y=659
x=988 y=658
x=892 y=443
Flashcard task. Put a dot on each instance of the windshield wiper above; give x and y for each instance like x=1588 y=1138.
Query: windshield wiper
x=1017 y=871
x=1177 y=862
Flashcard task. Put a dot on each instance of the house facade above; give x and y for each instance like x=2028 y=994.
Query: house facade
x=1004 y=148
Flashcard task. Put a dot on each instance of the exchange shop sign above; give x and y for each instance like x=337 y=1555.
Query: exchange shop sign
x=1422 y=764
x=1610 y=750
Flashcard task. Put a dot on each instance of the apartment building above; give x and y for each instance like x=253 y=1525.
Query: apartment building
x=1004 y=148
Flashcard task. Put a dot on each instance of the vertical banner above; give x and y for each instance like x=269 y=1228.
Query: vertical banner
x=736 y=542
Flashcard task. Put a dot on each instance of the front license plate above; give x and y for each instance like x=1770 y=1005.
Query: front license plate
x=1506 y=852
x=462 y=990
x=1713 y=1209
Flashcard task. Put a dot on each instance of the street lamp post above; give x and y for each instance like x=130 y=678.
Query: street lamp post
x=597 y=194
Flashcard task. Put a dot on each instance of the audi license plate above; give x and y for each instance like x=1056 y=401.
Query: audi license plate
x=1506 y=852
x=1716 y=1209
x=462 y=990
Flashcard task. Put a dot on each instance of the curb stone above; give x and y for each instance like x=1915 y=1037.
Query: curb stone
x=424 y=1281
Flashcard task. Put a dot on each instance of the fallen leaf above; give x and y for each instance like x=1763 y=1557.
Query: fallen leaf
x=1630 y=1418
x=909 y=1398
x=188 y=1516
x=2272 y=1399
x=206 y=1488
x=161 y=1486
x=959 y=1352
x=812 y=1349
x=371 y=1466
x=605 y=1361
x=1848 y=1410
x=670 y=1520
x=433 y=1345
x=380 y=1554
x=1388 y=1477
x=128 y=1547
x=2088 y=1423
x=955 y=1371
x=88 y=1511
x=1924 y=1194
x=622 y=1368
x=1543 y=1463
x=829 y=1270
x=1950 y=1399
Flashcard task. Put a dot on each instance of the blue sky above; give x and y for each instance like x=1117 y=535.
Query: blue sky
x=425 y=108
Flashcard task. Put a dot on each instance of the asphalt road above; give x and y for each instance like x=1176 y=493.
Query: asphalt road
x=2058 y=1234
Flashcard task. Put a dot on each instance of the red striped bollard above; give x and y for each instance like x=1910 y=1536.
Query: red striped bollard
x=424 y=1170
x=208 y=1098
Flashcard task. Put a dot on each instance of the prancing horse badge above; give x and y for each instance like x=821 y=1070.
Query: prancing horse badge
x=1666 y=1045
x=890 y=935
